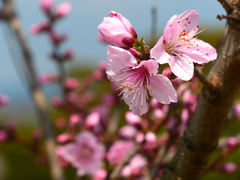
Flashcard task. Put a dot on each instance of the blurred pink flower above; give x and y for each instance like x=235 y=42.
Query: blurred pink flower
x=69 y=54
x=228 y=167
x=63 y=9
x=119 y=151
x=46 y=5
x=57 y=38
x=38 y=28
x=150 y=138
x=3 y=136
x=237 y=110
x=47 y=78
x=75 y=119
x=64 y=138
x=135 y=79
x=4 y=100
x=117 y=30
x=179 y=49
x=71 y=83
x=128 y=132
x=93 y=119
x=132 y=118
x=85 y=154
x=135 y=166
x=100 y=174
x=56 y=101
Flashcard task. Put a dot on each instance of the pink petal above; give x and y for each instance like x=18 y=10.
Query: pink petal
x=162 y=89
x=158 y=52
x=182 y=67
x=123 y=20
x=189 y=21
x=150 y=65
x=119 y=59
x=172 y=30
x=63 y=9
x=202 y=52
x=137 y=101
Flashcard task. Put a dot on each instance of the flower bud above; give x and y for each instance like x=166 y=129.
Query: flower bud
x=63 y=9
x=46 y=5
x=117 y=30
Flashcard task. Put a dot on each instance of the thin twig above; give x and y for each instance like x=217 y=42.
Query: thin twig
x=203 y=79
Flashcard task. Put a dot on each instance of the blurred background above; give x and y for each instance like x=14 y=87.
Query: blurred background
x=81 y=27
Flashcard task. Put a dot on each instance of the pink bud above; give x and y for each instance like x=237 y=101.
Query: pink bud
x=108 y=100
x=46 y=79
x=237 y=110
x=3 y=136
x=102 y=65
x=63 y=9
x=232 y=142
x=117 y=30
x=75 y=119
x=64 y=138
x=56 y=102
x=134 y=52
x=100 y=174
x=69 y=54
x=158 y=113
x=57 y=38
x=150 y=137
x=4 y=100
x=132 y=118
x=97 y=74
x=154 y=102
x=46 y=5
x=139 y=137
x=228 y=167
x=92 y=119
x=128 y=132
x=39 y=27
x=167 y=72
x=71 y=83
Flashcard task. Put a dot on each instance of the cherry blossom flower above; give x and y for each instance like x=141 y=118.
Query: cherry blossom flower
x=179 y=48
x=117 y=30
x=135 y=79
x=119 y=151
x=85 y=154
x=136 y=164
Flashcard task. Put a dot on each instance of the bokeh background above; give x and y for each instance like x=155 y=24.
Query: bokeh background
x=81 y=26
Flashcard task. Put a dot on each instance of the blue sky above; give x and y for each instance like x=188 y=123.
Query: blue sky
x=81 y=25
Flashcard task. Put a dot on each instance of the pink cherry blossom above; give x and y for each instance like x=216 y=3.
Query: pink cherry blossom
x=63 y=9
x=135 y=79
x=179 y=49
x=71 y=83
x=46 y=5
x=136 y=163
x=128 y=132
x=4 y=100
x=118 y=151
x=101 y=174
x=117 y=30
x=132 y=118
x=85 y=154
x=237 y=110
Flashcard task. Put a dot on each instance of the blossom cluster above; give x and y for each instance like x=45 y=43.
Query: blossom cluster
x=133 y=67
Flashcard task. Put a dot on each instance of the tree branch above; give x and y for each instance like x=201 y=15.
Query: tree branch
x=202 y=134
x=203 y=79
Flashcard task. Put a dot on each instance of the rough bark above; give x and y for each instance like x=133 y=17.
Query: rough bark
x=203 y=132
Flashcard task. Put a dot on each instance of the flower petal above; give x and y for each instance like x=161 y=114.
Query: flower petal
x=119 y=59
x=172 y=30
x=150 y=65
x=162 y=89
x=182 y=67
x=137 y=102
x=202 y=52
x=158 y=52
x=189 y=21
